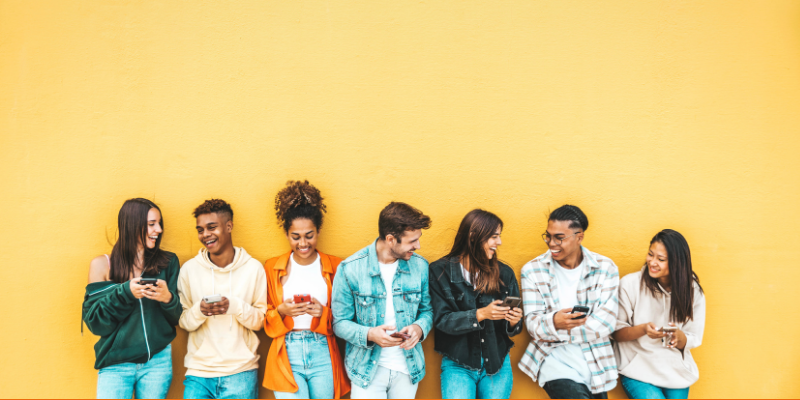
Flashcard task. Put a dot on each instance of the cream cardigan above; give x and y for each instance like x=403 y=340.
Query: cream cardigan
x=645 y=359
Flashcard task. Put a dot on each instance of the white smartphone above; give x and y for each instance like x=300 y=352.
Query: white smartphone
x=668 y=329
x=214 y=298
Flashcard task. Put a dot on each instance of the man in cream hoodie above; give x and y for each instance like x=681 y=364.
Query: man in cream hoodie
x=221 y=359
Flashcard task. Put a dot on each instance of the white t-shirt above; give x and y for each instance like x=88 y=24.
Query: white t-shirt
x=566 y=361
x=391 y=357
x=465 y=273
x=306 y=279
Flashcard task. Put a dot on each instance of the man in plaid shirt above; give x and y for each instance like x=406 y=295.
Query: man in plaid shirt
x=570 y=354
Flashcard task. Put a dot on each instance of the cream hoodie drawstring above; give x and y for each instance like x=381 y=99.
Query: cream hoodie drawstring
x=230 y=292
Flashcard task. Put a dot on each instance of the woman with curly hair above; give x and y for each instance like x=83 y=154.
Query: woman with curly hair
x=304 y=355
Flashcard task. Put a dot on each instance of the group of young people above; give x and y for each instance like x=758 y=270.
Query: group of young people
x=587 y=326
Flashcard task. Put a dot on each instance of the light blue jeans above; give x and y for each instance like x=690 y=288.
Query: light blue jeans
x=311 y=366
x=386 y=384
x=237 y=386
x=459 y=382
x=641 y=390
x=150 y=380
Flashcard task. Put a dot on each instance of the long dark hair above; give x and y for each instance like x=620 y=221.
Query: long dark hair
x=476 y=228
x=683 y=279
x=132 y=224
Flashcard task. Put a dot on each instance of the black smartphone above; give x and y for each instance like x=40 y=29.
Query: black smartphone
x=511 y=301
x=583 y=309
x=148 y=281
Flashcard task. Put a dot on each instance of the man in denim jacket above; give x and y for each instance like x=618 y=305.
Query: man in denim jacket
x=381 y=365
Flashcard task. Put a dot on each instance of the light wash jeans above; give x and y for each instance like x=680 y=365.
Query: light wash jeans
x=150 y=380
x=387 y=384
x=641 y=390
x=459 y=382
x=237 y=386
x=311 y=366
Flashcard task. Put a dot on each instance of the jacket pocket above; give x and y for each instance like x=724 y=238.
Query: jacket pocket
x=365 y=309
x=411 y=301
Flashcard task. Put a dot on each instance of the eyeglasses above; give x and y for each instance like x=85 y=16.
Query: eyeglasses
x=547 y=238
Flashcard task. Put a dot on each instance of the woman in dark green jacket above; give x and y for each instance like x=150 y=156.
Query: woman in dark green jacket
x=132 y=303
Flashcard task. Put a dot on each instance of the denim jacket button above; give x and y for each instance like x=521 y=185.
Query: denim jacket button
x=374 y=362
x=474 y=324
x=481 y=340
x=381 y=315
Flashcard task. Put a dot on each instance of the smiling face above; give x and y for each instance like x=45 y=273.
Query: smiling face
x=490 y=246
x=214 y=231
x=570 y=242
x=408 y=244
x=154 y=229
x=657 y=262
x=302 y=237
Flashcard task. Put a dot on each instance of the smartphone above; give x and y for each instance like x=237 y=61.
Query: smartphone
x=670 y=330
x=511 y=301
x=214 y=298
x=400 y=335
x=302 y=298
x=582 y=309
x=148 y=281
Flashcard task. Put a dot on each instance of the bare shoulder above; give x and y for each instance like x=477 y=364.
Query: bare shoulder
x=99 y=269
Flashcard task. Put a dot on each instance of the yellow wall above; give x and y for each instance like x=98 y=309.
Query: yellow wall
x=647 y=114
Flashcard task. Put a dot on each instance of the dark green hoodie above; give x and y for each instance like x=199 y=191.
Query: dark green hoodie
x=131 y=330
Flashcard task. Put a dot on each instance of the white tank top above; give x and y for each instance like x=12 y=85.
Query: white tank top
x=306 y=279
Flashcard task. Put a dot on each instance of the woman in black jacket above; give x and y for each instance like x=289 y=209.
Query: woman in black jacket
x=473 y=327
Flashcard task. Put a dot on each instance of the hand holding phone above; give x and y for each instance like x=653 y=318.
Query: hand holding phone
x=512 y=302
x=400 y=335
x=667 y=341
x=581 y=309
x=214 y=298
x=302 y=298
x=148 y=281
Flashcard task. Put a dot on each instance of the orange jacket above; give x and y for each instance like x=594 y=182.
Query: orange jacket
x=278 y=375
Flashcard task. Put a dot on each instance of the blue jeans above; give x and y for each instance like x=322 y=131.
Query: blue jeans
x=386 y=384
x=311 y=366
x=237 y=386
x=150 y=380
x=641 y=390
x=459 y=382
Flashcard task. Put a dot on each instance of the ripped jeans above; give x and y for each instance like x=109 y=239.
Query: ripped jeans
x=459 y=382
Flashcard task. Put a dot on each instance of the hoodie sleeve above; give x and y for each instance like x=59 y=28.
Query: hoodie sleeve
x=173 y=309
x=251 y=314
x=191 y=317
x=104 y=309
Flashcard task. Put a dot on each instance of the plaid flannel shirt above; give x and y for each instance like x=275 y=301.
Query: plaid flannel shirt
x=597 y=290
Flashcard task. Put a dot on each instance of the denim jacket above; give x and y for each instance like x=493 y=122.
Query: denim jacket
x=358 y=303
x=459 y=336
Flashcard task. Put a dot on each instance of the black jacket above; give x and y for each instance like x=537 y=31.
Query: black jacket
x=458 y=334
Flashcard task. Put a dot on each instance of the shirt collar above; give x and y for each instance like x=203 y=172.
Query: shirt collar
x=588 y=257
x=374 y=264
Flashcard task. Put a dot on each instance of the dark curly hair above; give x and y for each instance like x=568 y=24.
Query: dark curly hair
x=299 y=200
x=221 y=207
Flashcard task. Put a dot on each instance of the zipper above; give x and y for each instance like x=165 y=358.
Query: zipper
x=103 y=290
x=144 y=328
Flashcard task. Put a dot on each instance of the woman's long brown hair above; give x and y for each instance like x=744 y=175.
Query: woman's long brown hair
x=132 y=223
x=476 y=228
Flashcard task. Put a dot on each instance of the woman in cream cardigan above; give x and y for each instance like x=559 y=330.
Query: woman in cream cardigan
x=661 y=317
